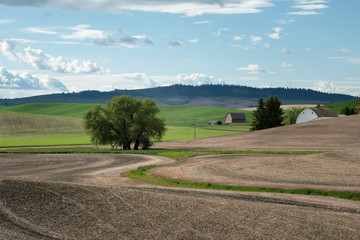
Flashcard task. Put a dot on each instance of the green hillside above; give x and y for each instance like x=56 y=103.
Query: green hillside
x=17 y=129
x=338 y=106
x=68 y=110
x=174 y=115
x=61 y=123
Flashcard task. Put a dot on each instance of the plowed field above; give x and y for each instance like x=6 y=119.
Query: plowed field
x=84 y=197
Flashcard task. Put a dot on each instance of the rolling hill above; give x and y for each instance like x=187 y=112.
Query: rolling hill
x=229 y=96
x=61 y=123
x=174 y=115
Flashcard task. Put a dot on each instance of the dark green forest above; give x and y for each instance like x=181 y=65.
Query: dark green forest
x=164 y=95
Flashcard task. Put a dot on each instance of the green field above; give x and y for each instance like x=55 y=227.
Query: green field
x=52 y=124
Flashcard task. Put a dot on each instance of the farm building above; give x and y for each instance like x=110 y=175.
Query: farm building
x=238 y=117
x=314 y=114
x=214 y=122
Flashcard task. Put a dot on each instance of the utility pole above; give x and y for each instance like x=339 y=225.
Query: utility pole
x=194 y=128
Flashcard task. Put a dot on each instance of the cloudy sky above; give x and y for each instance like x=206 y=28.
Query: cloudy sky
x=52 y=46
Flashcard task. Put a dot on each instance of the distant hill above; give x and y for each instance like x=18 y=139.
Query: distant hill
x=230 y=96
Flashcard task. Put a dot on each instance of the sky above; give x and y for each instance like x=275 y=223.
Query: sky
x=51 y=46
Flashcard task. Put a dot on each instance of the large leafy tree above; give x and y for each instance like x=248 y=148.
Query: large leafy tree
x=268 y=114
x=124 y=121
x=291 y=115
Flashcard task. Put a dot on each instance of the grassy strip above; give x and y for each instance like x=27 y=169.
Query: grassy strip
x=140 y=174
x=170 y=153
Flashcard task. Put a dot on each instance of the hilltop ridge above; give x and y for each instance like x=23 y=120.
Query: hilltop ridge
x=230 y=96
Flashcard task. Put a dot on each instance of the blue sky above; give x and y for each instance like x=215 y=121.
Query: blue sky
x=64 y=46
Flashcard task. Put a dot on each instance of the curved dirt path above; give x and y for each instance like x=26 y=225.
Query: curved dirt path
x=75 y=168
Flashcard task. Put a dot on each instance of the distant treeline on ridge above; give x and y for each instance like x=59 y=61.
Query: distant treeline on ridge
x=185 y=94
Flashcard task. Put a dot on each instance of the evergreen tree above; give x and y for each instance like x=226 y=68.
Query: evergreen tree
x=259 y=118
x=274 y=112
x=267 y=115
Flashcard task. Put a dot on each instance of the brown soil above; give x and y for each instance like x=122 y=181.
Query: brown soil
x=331 y=134
x=284 y=107
x=75 y=196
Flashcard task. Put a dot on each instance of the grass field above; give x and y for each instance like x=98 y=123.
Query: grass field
x=174 y=115
x=44 y=124
x=338 y=106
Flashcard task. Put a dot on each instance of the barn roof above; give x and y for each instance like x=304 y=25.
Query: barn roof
x=214 y=121
x=324 y=112
x=237 y=115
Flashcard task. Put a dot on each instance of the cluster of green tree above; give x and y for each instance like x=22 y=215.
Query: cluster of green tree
x=291 y=115
x=351 y=110
x=125 y=121
x=267 y=114
x=288 y=95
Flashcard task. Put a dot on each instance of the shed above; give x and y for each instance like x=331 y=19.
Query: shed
x=315 y=113
x=238 y=117
x=214 y=122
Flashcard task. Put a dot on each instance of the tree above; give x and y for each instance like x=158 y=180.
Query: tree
x=291 y=115
x=347 y=110
x=124 y=121
x=267 y=115
x=259 y=116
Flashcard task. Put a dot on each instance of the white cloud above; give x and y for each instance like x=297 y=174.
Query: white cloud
x=39 y=31
x=310 y=7
x=331 y=87
x=276 y=34
x=189 y=7
x=245 y=48
x=193 y=41
x=351 y=60
x=310 y=1
x=345 y=50
x=42 y=61
x=133 y=81
x=220 y=31
x=304 y=13
x=267 y=45
x=237 y=38
x=6 y=21
x=135 y=40
x=198 y=79
x=286 y=64
x=26 y=81
x=202 y=22
x=255 y=39
x=285 y=21
x=83 y=33
x=252 y=68
x=108 y=82
x=176 y=43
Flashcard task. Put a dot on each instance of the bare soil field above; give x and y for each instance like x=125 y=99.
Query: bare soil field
x=82 y=196
x=332 y=171
x=331 y=134
x=284 y=107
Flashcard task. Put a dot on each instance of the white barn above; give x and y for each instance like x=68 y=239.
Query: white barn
x=316 y=113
